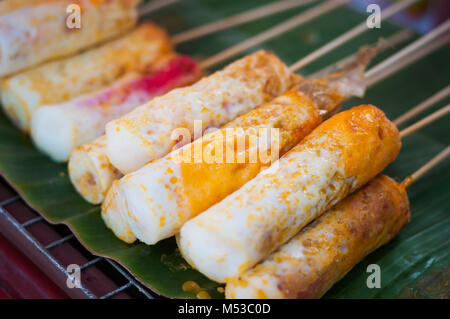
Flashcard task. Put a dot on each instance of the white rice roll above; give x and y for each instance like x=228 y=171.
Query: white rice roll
x=338 y=157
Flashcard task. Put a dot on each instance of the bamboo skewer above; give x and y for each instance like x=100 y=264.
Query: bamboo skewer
x=442 y=94
x=435 y=33
x=349 y=35
x=238 y=19
x=273 y=32
x=403 y=61
x=153 y=6
x=408 y=181
x=382 y=45
x=425 y=121
x=225 y=23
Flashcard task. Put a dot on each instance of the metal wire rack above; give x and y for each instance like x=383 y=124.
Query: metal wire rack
x=54 y=247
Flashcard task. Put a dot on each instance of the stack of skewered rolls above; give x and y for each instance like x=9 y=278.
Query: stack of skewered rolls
x=163 y=195
x=153 y=202
x=284 y=229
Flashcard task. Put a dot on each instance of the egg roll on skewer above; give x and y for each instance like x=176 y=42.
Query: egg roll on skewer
x=61 y=80
x=325 y=250
x=164 y=194
x=57 y=129
x=43 y=34
x=114 y=214
x=338 y=157
x=145 y=133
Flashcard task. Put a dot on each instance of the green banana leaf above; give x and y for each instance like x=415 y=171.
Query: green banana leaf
x=415 y=264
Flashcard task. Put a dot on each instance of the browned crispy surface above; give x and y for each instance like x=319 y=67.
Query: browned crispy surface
x=360 y=224
x=324 y=251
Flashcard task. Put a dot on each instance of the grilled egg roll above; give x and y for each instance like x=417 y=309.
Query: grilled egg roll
x=61 y=80
x=35 y=31
x=90 y=171
x=113 y=208
x=57 y=129
x=338 y=157
x=325 y=250
x=161 y=196
x=145 y=133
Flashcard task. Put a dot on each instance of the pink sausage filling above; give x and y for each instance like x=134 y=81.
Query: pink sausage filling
x=177 y=72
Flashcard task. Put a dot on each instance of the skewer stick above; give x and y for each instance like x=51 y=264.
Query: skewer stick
x=273 y=32
x=153 y=6
x=405 y=60
x=435 y=33
x=442 y=94
x=382 y=45
x=408 y=181
x=349 y=35
x=238 y=19
x=425 y=121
